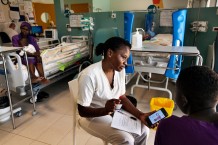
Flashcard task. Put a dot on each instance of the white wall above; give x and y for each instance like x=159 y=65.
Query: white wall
x=104 y=5
x=77 y=1
x=5 y=10
x=171 y=4
x=44 y=1
x=212 y=3
x=124 y=5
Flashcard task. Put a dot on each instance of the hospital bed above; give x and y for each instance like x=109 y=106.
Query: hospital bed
x=160 y=65
x=58 y=62
x=161 y=55
x=146 y=64
x=151 y=59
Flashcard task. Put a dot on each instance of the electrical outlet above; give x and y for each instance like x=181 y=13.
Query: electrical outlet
x=194 y=29
x=68 y=25
x=199 y=23
x=215 y=29
x=202 y=29
x=202 y=23
x=113 y=15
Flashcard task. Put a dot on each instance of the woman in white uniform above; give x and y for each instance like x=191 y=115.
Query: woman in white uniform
x=101 y=87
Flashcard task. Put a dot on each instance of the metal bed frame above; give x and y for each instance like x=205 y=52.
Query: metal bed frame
x=33 y=89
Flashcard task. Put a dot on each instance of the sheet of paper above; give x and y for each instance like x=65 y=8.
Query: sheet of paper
x=13 y=3
x=21 y=9
x=28 y=6
x=166 y=18
x=124 y=121
x=14 y=15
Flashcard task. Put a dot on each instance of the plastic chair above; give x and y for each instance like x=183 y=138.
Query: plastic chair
x=73 y=86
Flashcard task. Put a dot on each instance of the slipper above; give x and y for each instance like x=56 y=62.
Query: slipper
x=4 y=102
x=43 y=94
x=39 y=98
x=45 y=81
x=36 y=80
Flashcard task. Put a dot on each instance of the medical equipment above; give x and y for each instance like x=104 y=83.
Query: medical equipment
x=36 y=30
x=51 y=33
x=87 y=23
x=58 y=62
x=68 y=12
x=199 y=26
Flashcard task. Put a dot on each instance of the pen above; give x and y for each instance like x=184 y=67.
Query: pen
x=133 y=118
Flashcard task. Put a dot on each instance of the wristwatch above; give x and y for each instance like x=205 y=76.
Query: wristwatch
x=5 y=2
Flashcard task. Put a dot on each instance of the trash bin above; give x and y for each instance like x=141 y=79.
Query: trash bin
x=4 y=108
x=158 y=103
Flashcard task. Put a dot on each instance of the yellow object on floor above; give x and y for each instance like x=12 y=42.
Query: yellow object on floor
x=158 y=103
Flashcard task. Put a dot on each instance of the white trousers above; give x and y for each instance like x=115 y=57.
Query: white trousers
x=101 y=128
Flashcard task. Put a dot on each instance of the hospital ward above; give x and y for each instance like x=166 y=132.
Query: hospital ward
x=109 y=72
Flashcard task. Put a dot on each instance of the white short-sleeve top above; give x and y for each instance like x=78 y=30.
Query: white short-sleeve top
x=94 y=88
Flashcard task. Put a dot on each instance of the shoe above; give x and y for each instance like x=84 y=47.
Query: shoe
x=43 y=94
x=4 y=102
x=39 y=98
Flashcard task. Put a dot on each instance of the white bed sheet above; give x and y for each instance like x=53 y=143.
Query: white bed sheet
x=159 y=39
x=62 y=54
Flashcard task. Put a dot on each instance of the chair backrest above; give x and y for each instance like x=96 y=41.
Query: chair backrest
x=73 y=86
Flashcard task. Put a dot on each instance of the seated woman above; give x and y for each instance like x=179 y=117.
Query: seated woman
x=196 y=96
x=101 y=87
x=34 y=59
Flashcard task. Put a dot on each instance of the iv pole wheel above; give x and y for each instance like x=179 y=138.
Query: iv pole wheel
x=18 y=114
x=34 y=113
x=35 y=100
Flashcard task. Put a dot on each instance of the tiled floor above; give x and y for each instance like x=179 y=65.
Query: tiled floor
x=53 y=123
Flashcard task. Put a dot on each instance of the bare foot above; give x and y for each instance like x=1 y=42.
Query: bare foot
x=36 y=80
x=45 y=81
